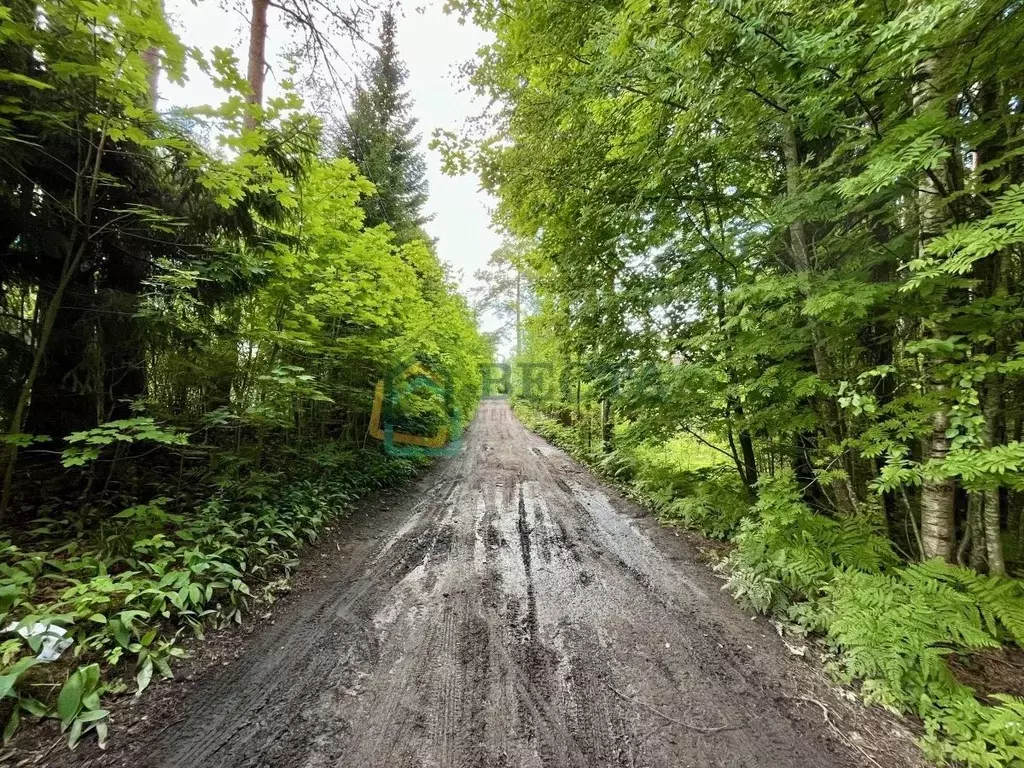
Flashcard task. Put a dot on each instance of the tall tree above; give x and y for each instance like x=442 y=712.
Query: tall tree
x=257 y=68
x=505 y=290
x=378 y=135
x=318 y=24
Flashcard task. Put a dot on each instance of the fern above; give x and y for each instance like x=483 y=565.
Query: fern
x=892 y=626
x=1000 y=601
x=894 y=630
x=800 y=551
x=714 y=503
x=961 y=729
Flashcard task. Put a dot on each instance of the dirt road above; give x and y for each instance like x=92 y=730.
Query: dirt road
x=511 y=611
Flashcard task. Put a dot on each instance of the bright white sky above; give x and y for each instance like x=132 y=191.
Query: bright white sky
x=432 y=45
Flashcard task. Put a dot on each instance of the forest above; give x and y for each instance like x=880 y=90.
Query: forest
x=194 y=308
x=772 y=254
x=763 y=270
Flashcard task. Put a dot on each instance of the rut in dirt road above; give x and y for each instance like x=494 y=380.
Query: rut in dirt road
x=516 y=614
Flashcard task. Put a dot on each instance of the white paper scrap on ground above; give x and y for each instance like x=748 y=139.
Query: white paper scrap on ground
x=54 y=642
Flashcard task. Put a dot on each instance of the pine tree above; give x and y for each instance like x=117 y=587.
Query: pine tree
x=378 y=136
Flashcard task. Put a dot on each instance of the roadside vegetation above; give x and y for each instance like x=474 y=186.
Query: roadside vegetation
x=771 y=254
x=195 y=307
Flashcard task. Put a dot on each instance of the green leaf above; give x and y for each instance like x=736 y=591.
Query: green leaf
x=92 y=715
x=144 y=676
x=90 y=677
x=34 y=707
x=121 y=633
x=8 y=681
x=101 y=734
x=17 y=78
x=75 y=734
x=12 y=724
x=70 y=699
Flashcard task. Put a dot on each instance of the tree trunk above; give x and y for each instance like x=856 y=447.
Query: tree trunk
x=749 y=461
x=990 y=498
x=746 y=463
x=937 y=531
x=607 y=426
x=937 y=513
x=122 y=337
x=975 y=532
x=519 y=313
x=10 y=452
x=842 y=491
x=64 y=392
x=988 y=273
x=747 y=467
x=993 y=534
x=151 y=57
x=257 y=57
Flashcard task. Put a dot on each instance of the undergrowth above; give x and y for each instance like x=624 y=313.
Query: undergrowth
x=129 y=587
x=890 y=625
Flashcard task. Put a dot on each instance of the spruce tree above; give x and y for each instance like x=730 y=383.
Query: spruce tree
x=378 y=135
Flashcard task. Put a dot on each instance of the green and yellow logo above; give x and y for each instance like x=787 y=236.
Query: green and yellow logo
x=414 y=411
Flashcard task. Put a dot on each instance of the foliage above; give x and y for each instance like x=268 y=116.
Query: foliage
x=891 y=626
x=195 y=309
x=126 y=586
x=87 y=444
x=894 y=630
x=786 y=554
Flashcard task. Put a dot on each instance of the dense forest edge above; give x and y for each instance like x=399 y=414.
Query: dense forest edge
x=195 y=306
x=765 y=269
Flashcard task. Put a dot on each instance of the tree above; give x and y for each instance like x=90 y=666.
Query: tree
x=794 y=233
x=505 y=290
x=84 y=200
x=257 y=61
x=318 y=23
x=188 y=336
x=378 y=136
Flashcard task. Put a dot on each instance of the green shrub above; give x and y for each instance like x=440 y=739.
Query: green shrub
x=686 y=482
x=716 y=503
x=550 y=429
x=960 y=729
x=126 y=585
x=787 y=554
x=893 y=632
x=894 y=629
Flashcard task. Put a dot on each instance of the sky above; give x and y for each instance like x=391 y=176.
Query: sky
x=432 y=45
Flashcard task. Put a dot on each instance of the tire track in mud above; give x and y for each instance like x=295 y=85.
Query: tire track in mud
x=324 y=639
x=514 y=614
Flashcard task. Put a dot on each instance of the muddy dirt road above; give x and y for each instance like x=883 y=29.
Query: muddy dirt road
x=509 y=611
